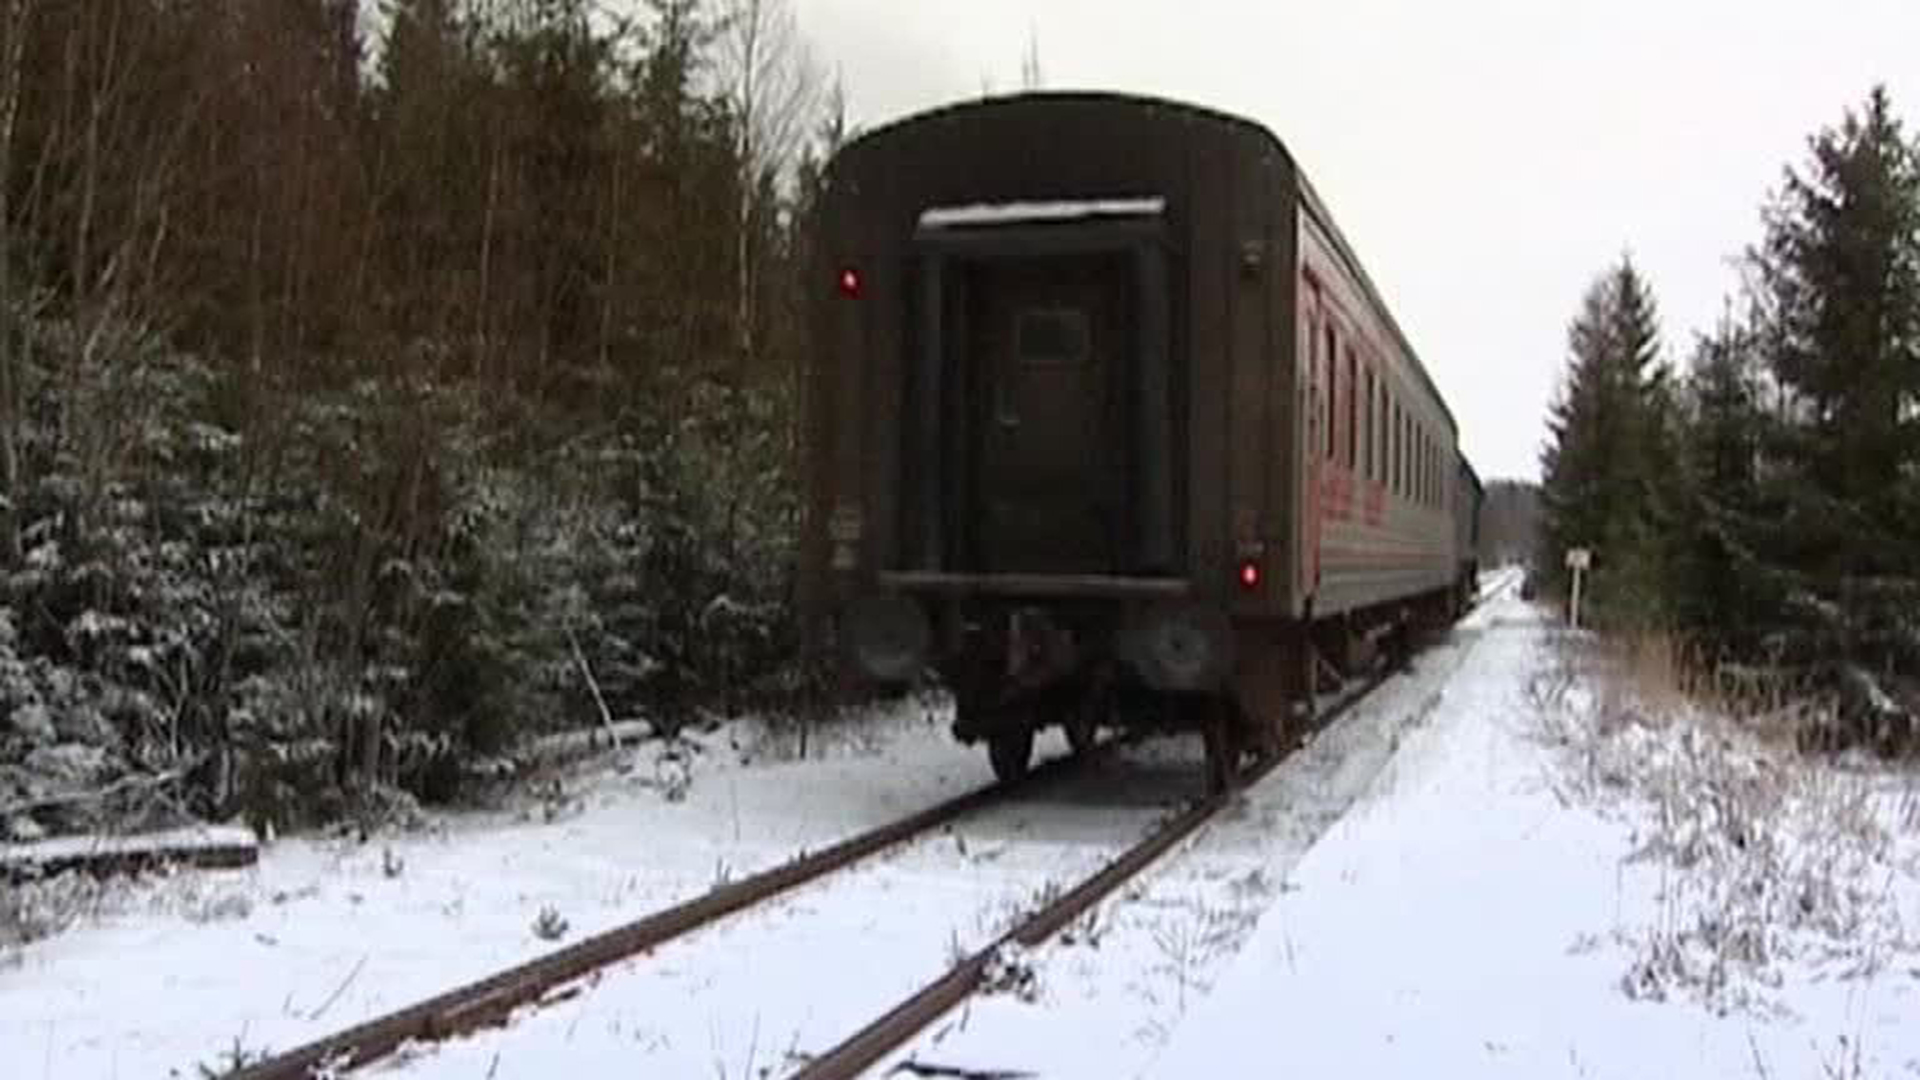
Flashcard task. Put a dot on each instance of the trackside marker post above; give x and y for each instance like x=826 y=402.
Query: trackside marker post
x=1578 y=560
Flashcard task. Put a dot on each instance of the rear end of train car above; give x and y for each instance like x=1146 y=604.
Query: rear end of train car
x=1061 y=439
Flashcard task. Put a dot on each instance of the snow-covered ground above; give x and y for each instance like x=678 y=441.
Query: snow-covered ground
x=751 y=995
x=1106 y=998
x=1499 y=863
x=171 y=975
x=1553 y=879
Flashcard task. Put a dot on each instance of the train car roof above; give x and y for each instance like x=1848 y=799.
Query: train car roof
x=1309 y=197
x=1473 y=476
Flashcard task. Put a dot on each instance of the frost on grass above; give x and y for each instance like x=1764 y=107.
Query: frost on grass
x=1768 y=866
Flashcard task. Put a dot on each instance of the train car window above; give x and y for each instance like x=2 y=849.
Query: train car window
x=1419 y=463
x=1052 y=337
x=1406 y=456
x=1329 y=352
x=1379 y=433
x=1397 y=432
x=1393 y=443
x=1353 y=410
x=1368 y=473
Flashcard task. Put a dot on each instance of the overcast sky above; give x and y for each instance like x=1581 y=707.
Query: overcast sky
x=1487 y=158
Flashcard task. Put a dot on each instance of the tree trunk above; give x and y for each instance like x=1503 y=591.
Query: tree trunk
x=15 y=27
x=480 y=342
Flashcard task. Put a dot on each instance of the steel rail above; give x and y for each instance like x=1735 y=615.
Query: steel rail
x=900 y=1024
x=492 y=999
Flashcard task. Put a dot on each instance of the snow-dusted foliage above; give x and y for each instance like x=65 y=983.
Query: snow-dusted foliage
x=359 y=419
x=1767 y=860
x=298 y=605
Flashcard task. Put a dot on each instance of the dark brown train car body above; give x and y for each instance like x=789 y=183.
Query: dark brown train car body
x=1107 y=424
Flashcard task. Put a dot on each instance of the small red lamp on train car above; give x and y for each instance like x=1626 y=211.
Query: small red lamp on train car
x=1249 y=575
x=849 y=283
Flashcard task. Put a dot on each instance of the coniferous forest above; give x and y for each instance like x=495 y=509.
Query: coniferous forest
x=1760 y=508
x=381 y=387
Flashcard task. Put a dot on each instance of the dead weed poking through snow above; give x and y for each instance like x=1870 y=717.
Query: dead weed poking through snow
x=1766 y=859
x=1011 y=971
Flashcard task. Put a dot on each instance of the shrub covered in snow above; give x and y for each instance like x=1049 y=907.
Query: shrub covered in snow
x=1767 y=857
x=288 y=606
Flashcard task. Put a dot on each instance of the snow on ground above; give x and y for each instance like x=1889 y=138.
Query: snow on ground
x=1107 y=995
x=160 y=978
x=1499 y=863
x=754 y=994
x=1552 y=881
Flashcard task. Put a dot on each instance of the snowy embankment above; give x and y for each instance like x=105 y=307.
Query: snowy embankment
x=754 y=995
x=1554 y=879
x=1500 y=862
x=162 y=977
x=1103 y=998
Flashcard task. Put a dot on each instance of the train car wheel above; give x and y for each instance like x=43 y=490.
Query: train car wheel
x=1083 y=728
x=1011 y=753
x=1083 y=717
x=1224 y=746
x=1267 y=734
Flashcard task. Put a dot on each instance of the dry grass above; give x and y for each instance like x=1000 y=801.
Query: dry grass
x=37 y=909
x=34 y=910
x=1763 y=856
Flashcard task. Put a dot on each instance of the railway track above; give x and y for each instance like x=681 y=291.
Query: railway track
x=910 y=1017
x=491 y=1000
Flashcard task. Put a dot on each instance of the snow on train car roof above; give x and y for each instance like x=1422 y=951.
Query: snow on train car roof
x=1018 y=213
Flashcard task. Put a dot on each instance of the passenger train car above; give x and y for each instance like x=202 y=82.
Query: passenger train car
x=1108 y=427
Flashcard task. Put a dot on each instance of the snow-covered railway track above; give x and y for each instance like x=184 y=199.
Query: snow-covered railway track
x=1075 y=845
x=491 y=1000
x=899 y=1025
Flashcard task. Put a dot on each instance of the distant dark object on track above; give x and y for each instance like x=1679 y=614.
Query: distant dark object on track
x=1109 y=427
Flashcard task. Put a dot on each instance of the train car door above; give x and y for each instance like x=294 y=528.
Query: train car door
x=1052 y=342
x=1313 y=413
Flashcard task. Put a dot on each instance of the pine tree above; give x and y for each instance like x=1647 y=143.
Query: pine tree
x=1840 y=274
x=1722 y=589
x=1608 y=484
x=1839 y=279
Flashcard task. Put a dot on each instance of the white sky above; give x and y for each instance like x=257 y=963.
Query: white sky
x=1486 y=157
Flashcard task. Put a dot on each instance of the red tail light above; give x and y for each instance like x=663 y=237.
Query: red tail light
x=850 y=283
x=1249 y=575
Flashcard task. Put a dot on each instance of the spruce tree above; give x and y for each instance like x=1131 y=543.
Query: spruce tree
x=1721 y=588
x=1607 y=470
x=1839 y=277
x=1840 y=274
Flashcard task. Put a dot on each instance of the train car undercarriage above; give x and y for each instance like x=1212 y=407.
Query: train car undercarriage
x=1017 y=667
